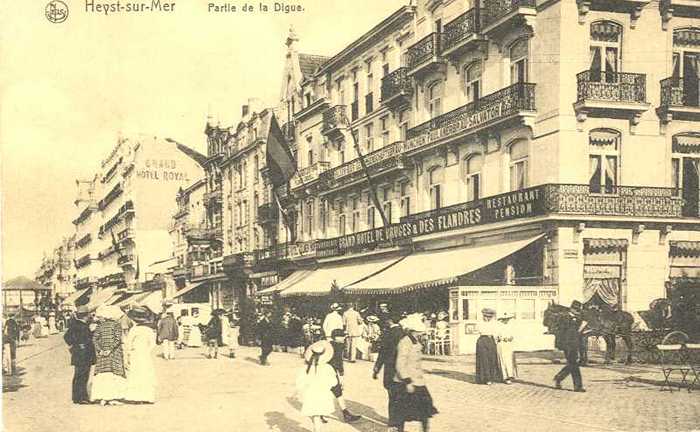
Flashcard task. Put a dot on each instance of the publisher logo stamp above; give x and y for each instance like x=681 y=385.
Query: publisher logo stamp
x=56 y=11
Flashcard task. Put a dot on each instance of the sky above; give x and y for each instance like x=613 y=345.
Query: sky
x=69 y=90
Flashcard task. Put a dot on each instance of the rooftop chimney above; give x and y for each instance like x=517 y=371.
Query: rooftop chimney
x=244 y=110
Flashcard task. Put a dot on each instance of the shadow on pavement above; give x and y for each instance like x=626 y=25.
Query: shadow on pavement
x=253 y=360
x=12 y=383
x=278 y=421
x=534 y=384
x=454 y=375
x=371 y=420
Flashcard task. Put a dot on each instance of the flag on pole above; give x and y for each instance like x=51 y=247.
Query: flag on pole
x=280 y=160
x=372 y=188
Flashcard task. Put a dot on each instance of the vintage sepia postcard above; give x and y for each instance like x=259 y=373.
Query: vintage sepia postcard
x=350 y=215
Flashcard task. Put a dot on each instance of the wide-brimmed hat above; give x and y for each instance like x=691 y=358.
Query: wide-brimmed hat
x=505 y=316
x=140 y=315
x=323 y=349
x=109 y=312
x=442 y=315
x=488 y=312
x=414 y=322
x=372 y=319
x=82 y=310
x=336 y=307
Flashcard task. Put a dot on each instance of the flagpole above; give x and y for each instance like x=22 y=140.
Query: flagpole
x=372 y=189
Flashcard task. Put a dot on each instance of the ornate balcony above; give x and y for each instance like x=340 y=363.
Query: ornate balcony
x=516 y=102
x=680 y=99
x=83 y=261
x=126 y=260
x=180 y=272
x=639 y=201
x=126 y=234
x=84 y=282
x=204 y=233
x=378 y=161
x=306 y=176
x=462 y=32
x=679 y=8
x=334 y=120
x=500 y=15
x=112 y=279
x=84 y=241
x=242 y=260
x=397 y=88
x=633 y=7
x=215 y=195
x=199 y=271
x=611 y=94
x=424 y=55
x=267 y=213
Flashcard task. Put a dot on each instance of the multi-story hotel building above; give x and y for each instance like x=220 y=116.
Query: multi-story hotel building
x=124 y=213
x=57 y=270
x=523 y=151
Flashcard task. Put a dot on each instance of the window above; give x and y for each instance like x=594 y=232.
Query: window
x=341 y=154
x=370 y=77
x=245 y=212
x=256 y=167
x=472 y=170
x=239 y=214
x=384 y=121
x=518 y=61
x=518 y=154
x=385 y=61
x=245 y=173
x=403 y=124
x=603 y=148
x=340 y=91
x=435 y=92
x=686 y=64
x=355 y=215
x=370 y=212
x=307 y=99
x=685 y=164
x=526 y=309
x=323 y=215
x=310 y=157
x=369 y=134
x=256 y=204
x=239 y=172
x=256 y=240
x=405 y=200
x=605 y=51
x=472 y=82
x=310 y=217
x=341 y=218
x=436 y=177
x=386 y=203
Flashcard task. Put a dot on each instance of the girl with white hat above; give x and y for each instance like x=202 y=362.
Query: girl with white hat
x=314 y=383
x=487 y=368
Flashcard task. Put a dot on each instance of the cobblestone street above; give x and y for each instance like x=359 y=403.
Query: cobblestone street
x=195 y=393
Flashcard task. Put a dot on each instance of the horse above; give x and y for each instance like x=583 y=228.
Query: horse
x=600 y=322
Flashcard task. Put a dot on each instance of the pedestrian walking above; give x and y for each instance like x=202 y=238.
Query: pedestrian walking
x=168 y=334
x=371 y=334
x=79 y=339
x=352 y=321
x=10 y=340
x=488 y=370
x=214 y=334
x=141 y=376
x=504 y=348
x=264 y=330
x=296 y=333
x=51 y=323
x=568 y=339
x=414 y=402
x=231 y=334
x=386 y=359
x=338 y=344
x=109 y=380
x=192 y=333
x=333 y=320
x=314 y=383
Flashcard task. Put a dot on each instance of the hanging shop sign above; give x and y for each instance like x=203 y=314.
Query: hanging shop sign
x=512 y=205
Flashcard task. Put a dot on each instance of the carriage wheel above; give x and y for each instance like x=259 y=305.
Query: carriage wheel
x=675 y=337
x=645 y=349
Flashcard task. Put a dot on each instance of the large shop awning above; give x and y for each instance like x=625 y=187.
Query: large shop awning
x=188 y=288
x=321 y=280
x=288 y=282
x=436 y=268
x=74 y=297
x=100 y=297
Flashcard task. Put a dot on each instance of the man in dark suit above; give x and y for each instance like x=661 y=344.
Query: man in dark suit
x=79 y=338
x=391 y=335
x=568 y=339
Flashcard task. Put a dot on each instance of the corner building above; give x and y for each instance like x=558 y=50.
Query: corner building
x=523 y=151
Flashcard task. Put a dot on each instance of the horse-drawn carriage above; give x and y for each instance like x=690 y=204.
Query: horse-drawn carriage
x=671 y=320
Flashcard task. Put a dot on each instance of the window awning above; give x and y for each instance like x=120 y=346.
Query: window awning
x=287 y=282
x=685 y=248
x=100 y=297
x=605 y=243
x=188 y=288
x=686 y=143
x=340 y=275
x=435 y=268
x=74 y=297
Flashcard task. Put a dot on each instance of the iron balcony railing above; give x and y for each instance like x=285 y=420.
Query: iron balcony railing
x=611 y=86
x=371 y=159
x=461 y=28
x=215 y=194
x=125 y=259
x=397 y=83
x=422 y=51
x=680 y=92
x=84 y=241
x=83 y=261
x=334 y=118
x=485 y=110
x=267 y=213
x=309 y=174
x=497 y=9
x=240 y=260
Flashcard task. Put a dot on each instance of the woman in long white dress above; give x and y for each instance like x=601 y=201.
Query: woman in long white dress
x=193 y=336
x=504 y=347
x=140 y=344
x=314 y=383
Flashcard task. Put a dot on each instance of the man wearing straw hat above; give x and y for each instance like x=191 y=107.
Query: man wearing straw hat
x=82 y=350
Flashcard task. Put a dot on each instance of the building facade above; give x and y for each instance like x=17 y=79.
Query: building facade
x=124 y=212
x=57 y=271
x=521 y=152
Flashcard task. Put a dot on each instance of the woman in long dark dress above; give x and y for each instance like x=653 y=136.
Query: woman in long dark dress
x=487 y=368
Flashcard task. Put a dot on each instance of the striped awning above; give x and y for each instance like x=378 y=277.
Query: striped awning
x=74 y=297
x=288 y=282
x=591 y=244
x=603 y=137
x=687 y=37
x=684 y=248
x=686 y=143
x=605 y=31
